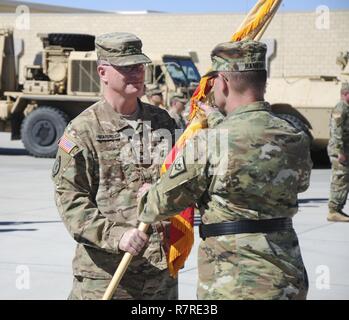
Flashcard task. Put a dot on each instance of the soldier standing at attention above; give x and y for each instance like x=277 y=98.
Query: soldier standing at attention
x=246 y=188
x=100 y=166
x=338 y=151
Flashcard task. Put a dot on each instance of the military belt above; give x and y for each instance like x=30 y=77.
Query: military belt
x=245 y=226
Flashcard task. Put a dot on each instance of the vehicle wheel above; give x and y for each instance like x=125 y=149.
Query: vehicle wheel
x=41 y=130
x=296 y=122
x=79 y=42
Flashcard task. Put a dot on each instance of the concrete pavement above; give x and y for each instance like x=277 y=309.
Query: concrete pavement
x=36 y=250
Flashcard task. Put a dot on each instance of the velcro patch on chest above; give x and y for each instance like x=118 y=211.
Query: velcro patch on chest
x=178 y=167
x=66 y=144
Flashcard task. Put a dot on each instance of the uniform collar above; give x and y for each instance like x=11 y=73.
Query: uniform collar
x=115 y=119
x=255 y=106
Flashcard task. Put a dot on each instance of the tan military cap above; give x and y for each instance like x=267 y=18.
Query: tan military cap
x=120 y=49
x=152 y=89
x=179 y=97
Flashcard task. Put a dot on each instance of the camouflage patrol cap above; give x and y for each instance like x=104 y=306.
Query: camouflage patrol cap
x=179 y=97
x=152 y=90
x=239 y=56
x=120 y=49
x=345 y=86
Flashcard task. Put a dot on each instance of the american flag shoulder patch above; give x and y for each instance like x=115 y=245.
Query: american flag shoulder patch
x=66 y=145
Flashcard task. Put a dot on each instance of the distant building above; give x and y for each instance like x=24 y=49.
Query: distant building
x=139 y=12
x=300 y=46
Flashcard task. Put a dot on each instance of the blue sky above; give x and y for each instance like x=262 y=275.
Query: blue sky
x=192 y=6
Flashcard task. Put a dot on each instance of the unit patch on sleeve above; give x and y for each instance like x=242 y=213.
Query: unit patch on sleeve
x=56 y=166
x=178 y=167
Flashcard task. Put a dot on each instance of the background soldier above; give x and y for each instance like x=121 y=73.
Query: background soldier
x=338 y=151
x=154 y=96
x=246 y=190
x=176 y=109
x=98 y=173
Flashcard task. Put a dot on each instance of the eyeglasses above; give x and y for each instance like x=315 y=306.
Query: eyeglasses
x=131 y=68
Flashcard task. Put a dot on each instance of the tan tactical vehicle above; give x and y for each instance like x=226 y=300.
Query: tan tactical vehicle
x=62 y=83
x=308 y=101
x=173 y=74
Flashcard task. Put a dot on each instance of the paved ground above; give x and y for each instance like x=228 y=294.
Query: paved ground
x=36 y=250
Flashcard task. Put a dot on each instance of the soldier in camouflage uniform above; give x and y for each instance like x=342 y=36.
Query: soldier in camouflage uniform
x=245 y=183
x=154 y=96
x=177 y=108
x=338 y=151
x=104 y=157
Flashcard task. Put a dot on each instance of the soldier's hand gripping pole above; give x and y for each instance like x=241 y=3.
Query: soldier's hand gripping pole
x=120 y=271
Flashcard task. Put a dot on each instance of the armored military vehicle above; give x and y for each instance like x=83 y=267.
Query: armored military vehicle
x=308 y=101
x=63 y=82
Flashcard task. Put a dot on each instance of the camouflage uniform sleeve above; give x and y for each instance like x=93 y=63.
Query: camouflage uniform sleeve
x=181 y=186
x=305 y=166
x=337 y=121
x=72 y=174
x=214 y=118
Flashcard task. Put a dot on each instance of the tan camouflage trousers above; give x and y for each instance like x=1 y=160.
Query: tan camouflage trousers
x=132 y=287
x=339 y=185
x=251 y=267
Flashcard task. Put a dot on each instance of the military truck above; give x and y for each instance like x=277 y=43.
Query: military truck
x=62 y=82
x=309 y=101
x=173 y=74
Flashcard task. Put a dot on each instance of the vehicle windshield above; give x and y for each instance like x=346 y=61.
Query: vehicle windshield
x=182 y=70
